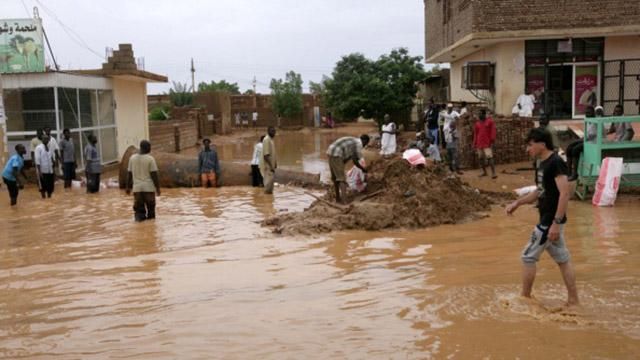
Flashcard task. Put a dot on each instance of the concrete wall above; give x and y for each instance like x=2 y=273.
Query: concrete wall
x=509 y=77
x=622 y=47
x=131 y=113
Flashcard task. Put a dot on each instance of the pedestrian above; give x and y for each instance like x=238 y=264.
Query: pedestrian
x=208 y=165
x=433 y=152
x=451 y=139
x=245 y=120
x=68 y=156
x=448 y=116
x=269 y=160
x=431 y=121
x=143 y=178
x=552 y=196
x=14 y=166
x=340 y=152
x=484 y=136
x=419 y=143
x=623 y=130
x=92 y=166
x=388 y=132
x=237 y=120
x=525 y=104
x=256 y=177
x=254 y=118
x=576 y=148
x=463 y=108
x=34 y=144
x=546 y=124
x=53 y=143
x=45 y=164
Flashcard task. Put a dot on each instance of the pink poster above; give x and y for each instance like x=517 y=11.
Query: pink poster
x=586 y=87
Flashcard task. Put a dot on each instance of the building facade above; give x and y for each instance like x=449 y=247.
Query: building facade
x=569 y=54
x=110 y=103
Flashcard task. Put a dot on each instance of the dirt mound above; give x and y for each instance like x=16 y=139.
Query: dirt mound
x=397 y=196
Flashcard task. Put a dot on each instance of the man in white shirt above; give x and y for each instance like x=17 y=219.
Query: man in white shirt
x=525 y=104
x=254 y=118
x=45 y=163
x=448 y=117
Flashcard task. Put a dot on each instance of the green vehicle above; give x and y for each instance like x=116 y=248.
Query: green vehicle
x=600 y=148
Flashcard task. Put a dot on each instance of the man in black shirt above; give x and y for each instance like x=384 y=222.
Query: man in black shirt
x=431 y=116
x=552 y=197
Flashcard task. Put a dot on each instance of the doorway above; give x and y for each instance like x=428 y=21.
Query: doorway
x=559 y=91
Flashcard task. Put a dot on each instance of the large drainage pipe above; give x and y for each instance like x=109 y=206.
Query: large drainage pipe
x=177 y=170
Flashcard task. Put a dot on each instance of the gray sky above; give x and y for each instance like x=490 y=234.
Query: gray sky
x=228 y=39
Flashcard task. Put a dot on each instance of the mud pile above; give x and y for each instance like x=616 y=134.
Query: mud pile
x=397 y=196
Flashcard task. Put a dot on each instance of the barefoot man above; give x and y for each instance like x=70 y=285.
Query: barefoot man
x=552 y=197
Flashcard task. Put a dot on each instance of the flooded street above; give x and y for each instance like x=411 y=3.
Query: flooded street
x=79 y=279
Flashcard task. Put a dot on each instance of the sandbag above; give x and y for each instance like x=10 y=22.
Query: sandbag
x=356 y=178
x=414 y=157
x=608 y=182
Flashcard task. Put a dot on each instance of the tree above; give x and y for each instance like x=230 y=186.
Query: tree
x=287 y=95
x=360 y=86
x=179 y=95
x=248 y=92
x=221 y=85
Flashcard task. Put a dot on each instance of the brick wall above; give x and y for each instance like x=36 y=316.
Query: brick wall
x=510 y=143
x=177 y=134
x=466 y=16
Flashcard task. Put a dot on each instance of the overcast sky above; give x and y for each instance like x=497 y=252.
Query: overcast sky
x=228 y=39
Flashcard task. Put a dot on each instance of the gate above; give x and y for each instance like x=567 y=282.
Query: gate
x=621 y=85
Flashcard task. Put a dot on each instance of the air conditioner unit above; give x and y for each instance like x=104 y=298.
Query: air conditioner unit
x=478 y=75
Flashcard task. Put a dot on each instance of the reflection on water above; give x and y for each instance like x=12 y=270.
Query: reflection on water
x=80 y=279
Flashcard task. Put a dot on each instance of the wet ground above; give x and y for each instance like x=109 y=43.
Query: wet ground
x=80 y=279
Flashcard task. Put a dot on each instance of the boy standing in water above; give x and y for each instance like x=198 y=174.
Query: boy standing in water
x=14 y=166
x=143 y=178
x=552 y=197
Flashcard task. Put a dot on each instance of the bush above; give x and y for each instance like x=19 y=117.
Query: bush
x=160 y=112
x=180 y=95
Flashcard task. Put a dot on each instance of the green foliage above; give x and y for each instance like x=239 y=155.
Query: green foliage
x=360 y=86
x=179 y=95
x=160 y=112
x=287 y=95
x=248 y=92
x=221 y=85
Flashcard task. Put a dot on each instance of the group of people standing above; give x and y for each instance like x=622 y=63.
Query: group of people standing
x=242 y=119
x=48 y=157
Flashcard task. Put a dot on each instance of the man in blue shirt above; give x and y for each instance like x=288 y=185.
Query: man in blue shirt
x=10 y=173
x=208 y=165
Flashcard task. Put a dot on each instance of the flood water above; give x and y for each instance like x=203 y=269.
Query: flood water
x=79 y=279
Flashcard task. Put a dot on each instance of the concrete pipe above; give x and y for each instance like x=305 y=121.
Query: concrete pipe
x=177 y=170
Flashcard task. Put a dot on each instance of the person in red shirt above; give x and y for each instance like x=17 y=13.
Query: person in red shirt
x=484 y=136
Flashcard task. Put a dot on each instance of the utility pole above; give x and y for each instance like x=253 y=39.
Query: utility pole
x=193 y=77
x=254 y=85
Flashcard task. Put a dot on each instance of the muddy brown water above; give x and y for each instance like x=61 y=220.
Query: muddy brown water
x=79 y=279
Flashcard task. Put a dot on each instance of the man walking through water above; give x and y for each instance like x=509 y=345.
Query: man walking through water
x=552 y=196
x=143 y=178
x=14 y=166
x=45 y=165
x=208 y=165
x=269 y=160
x=340 y=152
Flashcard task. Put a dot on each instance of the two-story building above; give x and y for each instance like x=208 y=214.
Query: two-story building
x=569 y=54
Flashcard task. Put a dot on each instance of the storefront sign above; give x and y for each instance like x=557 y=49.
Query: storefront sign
x=21 y=47
x=586 y=88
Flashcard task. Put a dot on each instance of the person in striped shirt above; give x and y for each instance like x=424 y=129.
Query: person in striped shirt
x=340 y=152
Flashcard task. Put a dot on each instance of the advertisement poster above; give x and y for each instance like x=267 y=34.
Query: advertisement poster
x=586 y=88
x=21 y=47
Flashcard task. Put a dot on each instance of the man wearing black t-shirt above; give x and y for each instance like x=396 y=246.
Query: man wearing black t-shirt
x=552 y=197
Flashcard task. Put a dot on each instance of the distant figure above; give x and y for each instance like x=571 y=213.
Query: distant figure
x=330 y=121
x=340 y=152
x=245 y=120
x=552 y=196
x=545 y=124
x=575 y=149
x=419 y=143
x=254 y=118
x=237 y=116
x=45 y=165
x=269 y=160
x=34 y=144
x=484 y=136
x=14 y=166
x=388 y=146
x=53 y=143
x=256 y=177
x=68 y=156
x=433 y=152
x=143 y=178
x=92 y=167
x=208 y=165
x=463 y=108
x=431 y=121
x=524 y=104
x=451 y=139
x=623 y=130
x=448 y=117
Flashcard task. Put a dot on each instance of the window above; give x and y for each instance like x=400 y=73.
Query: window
x=29 y=109
x=68 y=107
x=478 y=75
x=88 y=108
